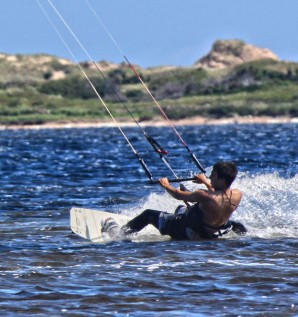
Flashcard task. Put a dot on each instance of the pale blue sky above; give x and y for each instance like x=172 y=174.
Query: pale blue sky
x=149 y=32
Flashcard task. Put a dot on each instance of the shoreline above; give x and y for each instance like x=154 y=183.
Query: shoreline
x=152 y=123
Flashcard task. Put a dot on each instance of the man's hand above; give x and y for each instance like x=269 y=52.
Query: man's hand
x=201 y=179
x=164 y=182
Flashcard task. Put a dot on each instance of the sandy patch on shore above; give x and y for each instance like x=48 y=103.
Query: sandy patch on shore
x=154 y=123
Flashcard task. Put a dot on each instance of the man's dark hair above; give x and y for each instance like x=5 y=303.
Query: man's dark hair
x=226 y=170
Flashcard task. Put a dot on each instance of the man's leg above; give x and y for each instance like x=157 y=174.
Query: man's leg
x=148 y=216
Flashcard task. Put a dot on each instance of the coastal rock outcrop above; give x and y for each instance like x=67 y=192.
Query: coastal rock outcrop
x=229 y=53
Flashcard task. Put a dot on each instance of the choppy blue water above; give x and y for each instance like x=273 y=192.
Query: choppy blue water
x=45 y=270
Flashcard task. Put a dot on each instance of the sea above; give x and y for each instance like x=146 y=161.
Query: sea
x=46 y=270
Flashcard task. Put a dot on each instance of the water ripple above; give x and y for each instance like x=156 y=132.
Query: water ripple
x=48 y=271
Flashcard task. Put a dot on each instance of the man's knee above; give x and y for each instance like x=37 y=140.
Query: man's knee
x=148 y=212
x=151 y=216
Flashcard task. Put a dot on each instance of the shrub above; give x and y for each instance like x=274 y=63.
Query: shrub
x=73 y=87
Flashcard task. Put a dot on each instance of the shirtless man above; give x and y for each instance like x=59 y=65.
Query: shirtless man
x=207 y=218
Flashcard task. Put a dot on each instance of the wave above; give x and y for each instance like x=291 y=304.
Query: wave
x=269 y=208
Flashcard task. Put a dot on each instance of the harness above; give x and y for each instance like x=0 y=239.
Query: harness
x=188 y=223
x=219 y=231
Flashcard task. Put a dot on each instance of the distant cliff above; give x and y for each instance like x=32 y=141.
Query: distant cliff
x=231 y=53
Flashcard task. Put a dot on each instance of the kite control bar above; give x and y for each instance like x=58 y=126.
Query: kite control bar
x=175 y=180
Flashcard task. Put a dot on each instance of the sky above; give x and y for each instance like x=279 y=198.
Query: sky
x=148 y=32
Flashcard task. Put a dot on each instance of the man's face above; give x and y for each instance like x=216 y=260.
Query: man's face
x=213 y=177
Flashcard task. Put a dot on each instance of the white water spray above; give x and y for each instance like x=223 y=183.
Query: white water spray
x=269 y=208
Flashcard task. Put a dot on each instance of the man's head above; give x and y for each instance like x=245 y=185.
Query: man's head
x=226 y=171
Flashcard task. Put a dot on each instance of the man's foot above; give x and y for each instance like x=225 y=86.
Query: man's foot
x=110 y=227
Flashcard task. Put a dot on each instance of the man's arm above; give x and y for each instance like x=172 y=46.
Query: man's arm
x=195 y=196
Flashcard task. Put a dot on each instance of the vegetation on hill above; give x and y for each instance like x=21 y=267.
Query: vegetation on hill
x=42 y=88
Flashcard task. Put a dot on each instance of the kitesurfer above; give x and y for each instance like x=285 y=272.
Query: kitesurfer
x=207 y=218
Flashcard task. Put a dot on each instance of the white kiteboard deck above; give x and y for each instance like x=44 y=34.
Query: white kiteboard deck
x=87 y=223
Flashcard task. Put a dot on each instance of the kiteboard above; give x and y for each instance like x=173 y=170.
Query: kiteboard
x=87 y=223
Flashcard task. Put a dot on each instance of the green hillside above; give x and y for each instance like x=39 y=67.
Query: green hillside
x=43 y=88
